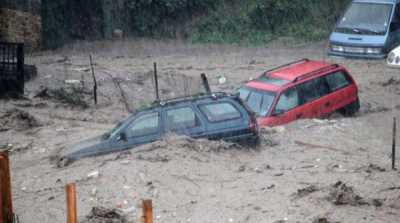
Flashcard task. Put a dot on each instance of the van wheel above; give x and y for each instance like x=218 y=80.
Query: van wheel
x=351 y=109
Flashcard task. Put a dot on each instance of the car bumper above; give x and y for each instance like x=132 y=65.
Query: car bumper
x=356 y=55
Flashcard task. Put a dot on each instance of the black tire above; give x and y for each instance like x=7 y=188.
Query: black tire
x=351 y=109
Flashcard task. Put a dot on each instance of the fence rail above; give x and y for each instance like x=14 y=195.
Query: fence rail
x=11 y=68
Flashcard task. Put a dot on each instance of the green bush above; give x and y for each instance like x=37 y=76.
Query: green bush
x=250 y=22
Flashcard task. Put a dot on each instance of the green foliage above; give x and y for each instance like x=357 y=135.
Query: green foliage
x=159 y=18
x=250 y=22
x=259 y=21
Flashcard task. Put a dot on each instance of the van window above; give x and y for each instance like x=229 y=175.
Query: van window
x=220 y=112
x=144 y=125
x=288 y=100
x=181 y=118
x=337 y=80
x=366 y=18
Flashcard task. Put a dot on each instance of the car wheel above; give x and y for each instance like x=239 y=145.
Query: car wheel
x=351 y=109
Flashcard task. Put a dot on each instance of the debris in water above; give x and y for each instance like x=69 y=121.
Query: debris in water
x=105 y=215
x=17 y=120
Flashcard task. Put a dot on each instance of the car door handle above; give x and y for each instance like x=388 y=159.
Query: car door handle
x=299 y=116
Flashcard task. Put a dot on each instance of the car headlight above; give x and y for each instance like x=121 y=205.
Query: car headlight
x=373 y=50
x=391 y=57
x=337 y=48
x=397 y=60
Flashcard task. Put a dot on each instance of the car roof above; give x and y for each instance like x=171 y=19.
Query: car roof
x=378 y=1
x=291 y=72
x=185 y=99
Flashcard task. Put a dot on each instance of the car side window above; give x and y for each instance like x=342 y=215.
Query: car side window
x=308 y=91
x=322 y=86
x=144 y=125
x=288 y=100
x=182 y=118
x=217 y=112
x=337 y=80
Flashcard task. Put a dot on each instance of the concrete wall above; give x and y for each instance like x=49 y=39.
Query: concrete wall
x=20 y=22
x=20 y=26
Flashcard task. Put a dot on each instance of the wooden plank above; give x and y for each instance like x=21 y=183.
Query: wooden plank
x=6 y=192
x=70 y=191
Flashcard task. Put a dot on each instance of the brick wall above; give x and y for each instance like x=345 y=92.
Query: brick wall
x=20 y=26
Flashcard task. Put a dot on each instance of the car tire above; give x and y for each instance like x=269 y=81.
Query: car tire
x=351 y=109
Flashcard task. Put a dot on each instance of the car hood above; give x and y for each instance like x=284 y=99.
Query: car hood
x=84 y=148
x=358 y=40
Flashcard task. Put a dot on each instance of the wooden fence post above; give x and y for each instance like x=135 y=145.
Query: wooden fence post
x=70 y=191
x=147 y=211
x=5 y=189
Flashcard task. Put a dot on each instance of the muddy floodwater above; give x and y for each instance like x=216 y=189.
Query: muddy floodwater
x=332 y=170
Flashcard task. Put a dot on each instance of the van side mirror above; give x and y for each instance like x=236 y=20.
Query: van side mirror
x=278 y=112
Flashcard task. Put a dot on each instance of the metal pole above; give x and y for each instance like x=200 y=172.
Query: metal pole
x=394 y=145
x=205 y=83
x=70 y=191
x=156 y=82
x=94 y=80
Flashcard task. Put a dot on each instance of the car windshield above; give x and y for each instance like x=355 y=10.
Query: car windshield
x=259 y=101
x=366 y=18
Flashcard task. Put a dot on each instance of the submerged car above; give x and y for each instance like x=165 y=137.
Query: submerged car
x=213 y=116
x=368 y=29
x=299 y=90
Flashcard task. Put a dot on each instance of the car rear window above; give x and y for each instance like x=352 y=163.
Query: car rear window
x=217 y=112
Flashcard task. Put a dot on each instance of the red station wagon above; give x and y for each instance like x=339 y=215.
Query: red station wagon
x=299 y=90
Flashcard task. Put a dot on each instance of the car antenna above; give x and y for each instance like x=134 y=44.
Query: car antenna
x=156 y=82
x=205 y=83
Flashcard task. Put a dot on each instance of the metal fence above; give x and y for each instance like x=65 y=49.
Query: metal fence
x=11 y=68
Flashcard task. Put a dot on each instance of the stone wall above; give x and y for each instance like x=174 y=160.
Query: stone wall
x=20 y=26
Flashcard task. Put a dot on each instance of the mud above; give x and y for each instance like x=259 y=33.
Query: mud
x=18 y=120
x=201 y=181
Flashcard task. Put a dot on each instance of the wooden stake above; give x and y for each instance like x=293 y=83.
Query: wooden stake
x=2 y=220
x=70 y=191
x=147 y=211
x=5 y=188
x=394 y=145
x=94 y=80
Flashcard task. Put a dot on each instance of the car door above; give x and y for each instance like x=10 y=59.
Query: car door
x=224 y=119
x=310 y=99
x=287 y=108
x=143 y=129
x=183 y=120
x=341 y=90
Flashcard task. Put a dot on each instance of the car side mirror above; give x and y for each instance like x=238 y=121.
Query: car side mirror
x=122 y=137
x=278 y=112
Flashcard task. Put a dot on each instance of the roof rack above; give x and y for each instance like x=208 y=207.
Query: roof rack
x=285 y=65
x=213 y=95
x=328 y=67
